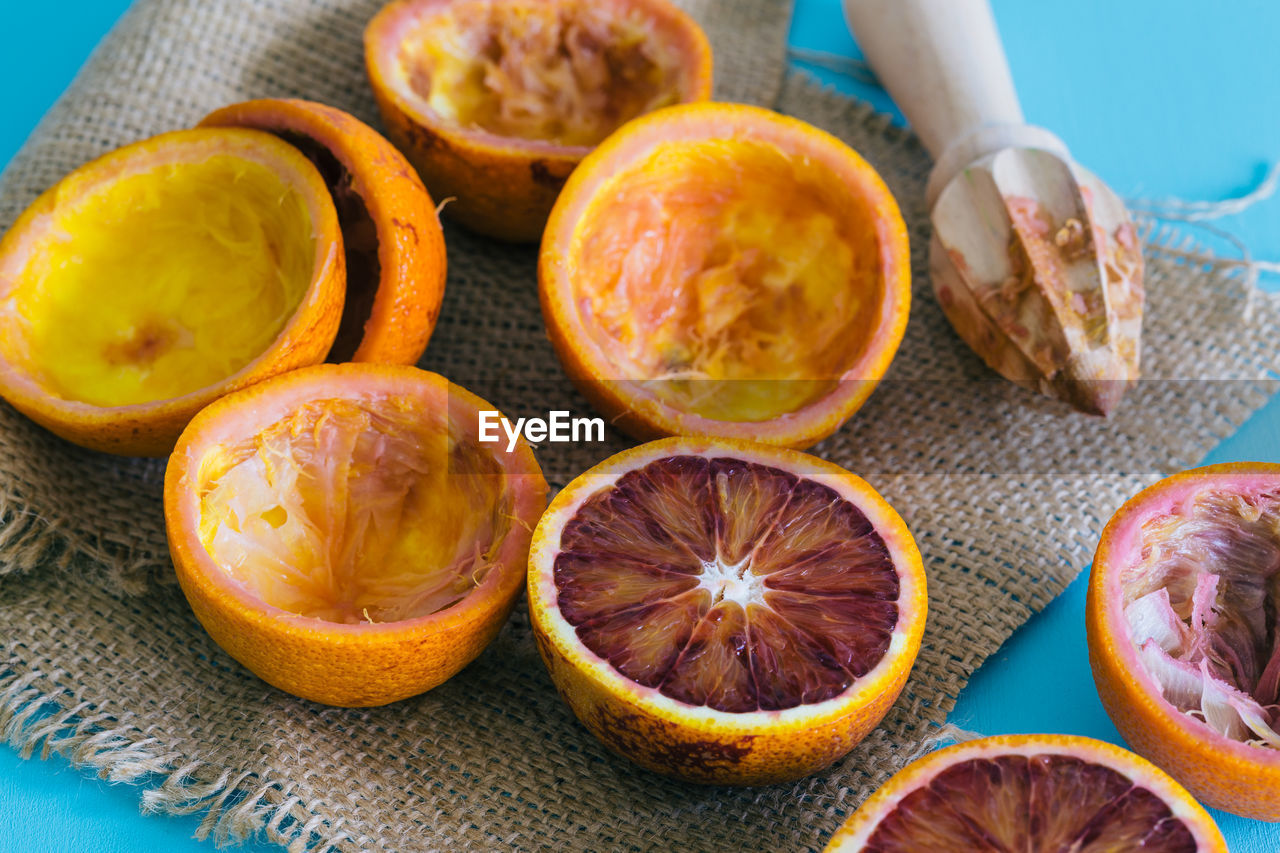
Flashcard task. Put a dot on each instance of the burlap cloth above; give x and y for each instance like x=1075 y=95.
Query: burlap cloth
x=1006 y=494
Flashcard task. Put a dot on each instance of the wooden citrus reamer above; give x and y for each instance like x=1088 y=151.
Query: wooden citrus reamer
x=1033 y=259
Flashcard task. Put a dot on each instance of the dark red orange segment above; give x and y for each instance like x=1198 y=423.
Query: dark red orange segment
x=688 y=576
x=594 y=589
x=645 y=642
x=1030 y=794
x=746 y=495
x=1040 y=802
x=787 y=665
x=851 y=629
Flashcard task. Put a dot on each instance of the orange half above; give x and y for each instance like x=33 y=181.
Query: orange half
x=161 y=276
x=1050 y=793
x=496 y=101
x=1184 y=631
x=340 y=531
x=722 y=270
x=395 y=253
x=725 y=612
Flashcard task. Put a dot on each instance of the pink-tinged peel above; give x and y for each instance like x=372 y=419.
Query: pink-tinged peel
x=1202 y=609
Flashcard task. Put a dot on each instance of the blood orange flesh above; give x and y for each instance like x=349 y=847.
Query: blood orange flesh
x=728 y=583
x=1015 y=800
x=1030 y=793
x=724 y=611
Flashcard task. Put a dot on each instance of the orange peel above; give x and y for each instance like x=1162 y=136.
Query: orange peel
x=157 y=278
x=496 y=101
x=1177 y=621
x=722 y=270
x=340 y=531
x=395 y=253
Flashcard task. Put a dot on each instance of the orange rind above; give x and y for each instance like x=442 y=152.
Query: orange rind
x=722 y=270
x=496 y=101
x=155 y=279
x=341 y=532
x=1182 y=631
x=395 y=254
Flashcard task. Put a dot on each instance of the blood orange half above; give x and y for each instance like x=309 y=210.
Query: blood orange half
x=496 y=101
x=161 y=276
x=340 y=531
x=1030 y=794
x=391 y=234
x=1184 y=631
x=723 y=611
x=722 y=270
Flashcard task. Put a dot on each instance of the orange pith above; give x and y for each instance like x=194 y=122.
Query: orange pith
x=715 y=269
x=723 y=611
x=340 y=532
x=1033 y=793
x=224 y=260
x=496 y=101
x=1182 y=633
x=395 y=254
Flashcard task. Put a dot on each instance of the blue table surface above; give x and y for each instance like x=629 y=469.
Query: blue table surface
x=1159 y=97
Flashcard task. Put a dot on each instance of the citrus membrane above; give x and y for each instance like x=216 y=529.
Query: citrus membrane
x=568 y=72
x=728 y=260
x=728 y=583
x=769 y=313
x=1201 y=587
x=359 y=509
x=1032 y=794
x=164 y=280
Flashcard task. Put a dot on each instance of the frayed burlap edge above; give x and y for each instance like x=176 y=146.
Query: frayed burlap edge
x=233 y=807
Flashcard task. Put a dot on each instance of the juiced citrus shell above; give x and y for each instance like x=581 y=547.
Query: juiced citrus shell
x=715 y=269
x=495 y=101
x=1185 y=630
x=1031 y=794
x=568 y=73
x=341 y=532
x=723 y=611
x=156 y=278
x=395 y=254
